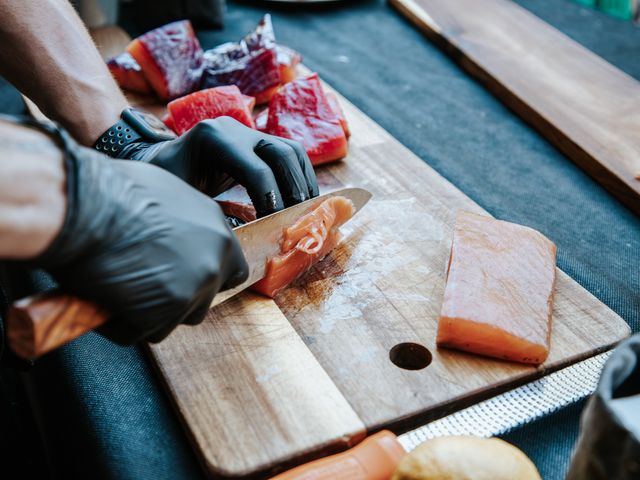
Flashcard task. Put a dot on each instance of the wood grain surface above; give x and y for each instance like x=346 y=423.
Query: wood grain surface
x=262 y=383
x=250 y=391
x=43 y=322
x=586 y=107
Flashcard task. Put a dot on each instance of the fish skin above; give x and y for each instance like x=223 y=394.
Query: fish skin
x=251 y=64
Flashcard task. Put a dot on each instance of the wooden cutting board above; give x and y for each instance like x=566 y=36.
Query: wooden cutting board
x=261 y=385
x=586 y=107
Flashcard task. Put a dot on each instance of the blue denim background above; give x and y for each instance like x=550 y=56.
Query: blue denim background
x=102 y=408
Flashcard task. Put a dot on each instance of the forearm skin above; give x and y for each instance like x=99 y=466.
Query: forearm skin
x=47 y=53
x=32 y=191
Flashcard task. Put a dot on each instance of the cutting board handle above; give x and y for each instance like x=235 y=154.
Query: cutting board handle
x=40 y=323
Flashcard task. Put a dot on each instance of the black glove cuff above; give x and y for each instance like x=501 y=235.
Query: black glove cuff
x=609 y=442
x=68 y=146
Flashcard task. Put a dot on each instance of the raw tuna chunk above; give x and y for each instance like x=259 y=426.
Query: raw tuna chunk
x=171 y=59
x=305 y=243
x=128 y=73
x=499 y=295
x=288 y=60
x=261 y=118
x=251 y=64
x=300 y=111
x=167 y=119
x=207 y=104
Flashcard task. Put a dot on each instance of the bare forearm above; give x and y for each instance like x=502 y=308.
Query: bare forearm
x=32 y=198
x=46 y=52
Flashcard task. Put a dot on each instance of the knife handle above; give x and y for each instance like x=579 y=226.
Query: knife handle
x=41 y=323
x=375 y=458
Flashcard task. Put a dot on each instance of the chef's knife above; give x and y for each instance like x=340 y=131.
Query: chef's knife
x=41 y=323
x=376 y=457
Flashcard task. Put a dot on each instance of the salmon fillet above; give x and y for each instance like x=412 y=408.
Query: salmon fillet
x=305 y=243
x=498 y=300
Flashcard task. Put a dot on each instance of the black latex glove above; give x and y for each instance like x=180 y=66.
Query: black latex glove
x=609 y=443
x=140 y=242
x=276 y=172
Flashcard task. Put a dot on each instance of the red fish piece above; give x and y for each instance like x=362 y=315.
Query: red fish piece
x=261 y=118
x=300 y=111
x=171 y=59
x=208 y=104
x=128 y=73
x=288 y=61
x=305 y=243
x=167 y=119
x=251 y=64
x=498 y=300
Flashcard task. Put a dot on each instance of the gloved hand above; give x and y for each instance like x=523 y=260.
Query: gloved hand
x=276 y=172
x=609 y=444
x=140 y=242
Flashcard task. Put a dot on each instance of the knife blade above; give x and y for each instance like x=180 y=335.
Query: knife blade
x=40 y=323
x=260 y=239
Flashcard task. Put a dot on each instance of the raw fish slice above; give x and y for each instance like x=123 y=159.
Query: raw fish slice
x=498 y=300
x=209 y=104
x=288 y=61
x=128 y=73
x=251 y=64
x=331 y=213
x=300 y=111
x=305 y=243
x=284 y=269
x=171 y=59
x=242 y=211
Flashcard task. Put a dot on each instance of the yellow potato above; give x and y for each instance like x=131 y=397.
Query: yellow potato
x=466 y=458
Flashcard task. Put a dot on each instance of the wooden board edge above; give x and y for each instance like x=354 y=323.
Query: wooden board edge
x=349 y=432
x=611 y=177
x=419 y=419
x=260 y=471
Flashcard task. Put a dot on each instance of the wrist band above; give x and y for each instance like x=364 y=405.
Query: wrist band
x=113 y=141
x=133 y=127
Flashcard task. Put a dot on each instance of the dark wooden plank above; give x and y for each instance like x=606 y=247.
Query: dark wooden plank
x=582 y=104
